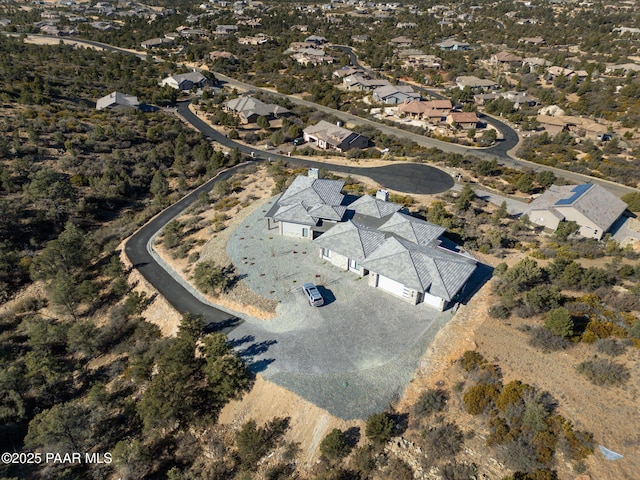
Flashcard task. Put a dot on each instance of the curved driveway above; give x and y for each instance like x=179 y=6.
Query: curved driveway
x=403 y=177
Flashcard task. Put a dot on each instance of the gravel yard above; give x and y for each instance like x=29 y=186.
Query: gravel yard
x=351 y=356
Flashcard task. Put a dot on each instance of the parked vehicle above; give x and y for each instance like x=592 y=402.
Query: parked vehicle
x=313 y=294
x=298 y=141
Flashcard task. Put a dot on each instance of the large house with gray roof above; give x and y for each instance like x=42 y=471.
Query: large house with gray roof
x=249 y=109
x=592 y=207
x=328 y=136
x=398 y=253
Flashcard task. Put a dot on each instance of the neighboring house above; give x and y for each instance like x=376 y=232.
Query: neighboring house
x=401 y=254
x=451 y=44
x=221 y=54
x=186 y=81
x=395 y=94
x=346 y=71
x=591 y=206
x=432 y=110
x=314 y=56
x=475 y=83
x=517 y=98
x=327 y=136
x=156 y=43
x=624 y=68
x=315 y=39
x=464 y=120
x=505 y=58
x=249 y=109
x=117 y=100
x=308 y=207
x=535 y=62
x=260 y=39
x=401 y=42
x=359 y=82
x=532 y=40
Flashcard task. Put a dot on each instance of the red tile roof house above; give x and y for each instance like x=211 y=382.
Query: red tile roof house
x=464 y=120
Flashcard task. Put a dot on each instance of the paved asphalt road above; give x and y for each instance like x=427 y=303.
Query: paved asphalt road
x=178 y=296
x=403 y=177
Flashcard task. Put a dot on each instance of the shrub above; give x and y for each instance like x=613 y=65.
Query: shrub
x=398 y=470
x=335 y=444
x=511 y=393
x=542 y=339
x=443 y=441
x=472 y=360
x=500 y=312
x=477 y=398
x=604 y=372
x=559 y=322
x=458 y=471
x=379 y=428
x=211 y=278
x=611 y=347
x=431 y=401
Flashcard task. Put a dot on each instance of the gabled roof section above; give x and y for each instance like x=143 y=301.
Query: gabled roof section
x=328 y=212
x=424 y=269
x=250 y=105
x=593 y=201
x=412 y=229
x=117 y=99
x=351 y=240
x=296 y=213
x=372 y=207
x=313 y=191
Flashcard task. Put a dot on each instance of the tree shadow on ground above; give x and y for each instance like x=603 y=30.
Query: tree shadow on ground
x=260 y=365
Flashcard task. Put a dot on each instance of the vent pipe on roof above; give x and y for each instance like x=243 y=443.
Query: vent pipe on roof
x=313 y=173
x=339 y=123
x=382 y=195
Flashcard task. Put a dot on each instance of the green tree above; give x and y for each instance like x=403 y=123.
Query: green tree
x=632 y=200
x=546 y=178
x=64 y=292
x=51 y=192
x=62 y=428
x=262 y=122
x=559 y=322
x=159 y=187
x=524 y=183
x=228 y=377
x=523 y=275
x=465 y=197
x=210 y=278
x=69 y=253
x=566 y=229
x=335 y=444
x=500 y=213
x=379 y=428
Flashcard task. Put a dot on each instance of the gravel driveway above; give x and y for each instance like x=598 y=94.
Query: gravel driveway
x=351 y=356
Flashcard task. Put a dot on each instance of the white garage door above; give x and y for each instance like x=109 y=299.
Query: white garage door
x=392 y=286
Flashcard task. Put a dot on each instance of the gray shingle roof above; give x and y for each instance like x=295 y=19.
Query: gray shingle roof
x=296 y=213
x=368 y=205
x=413 y=229
x=593 y=201
x=434 y=270
x=313 y=191
x=249 y=106
x=328 y=212
x=115 y=99
x=351 y=240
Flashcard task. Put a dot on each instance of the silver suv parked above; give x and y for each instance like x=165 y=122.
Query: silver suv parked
x=313 y=294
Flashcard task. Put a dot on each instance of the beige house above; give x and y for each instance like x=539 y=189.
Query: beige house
x=592 y=207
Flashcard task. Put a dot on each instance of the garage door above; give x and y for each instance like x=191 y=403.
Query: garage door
x=392 y=286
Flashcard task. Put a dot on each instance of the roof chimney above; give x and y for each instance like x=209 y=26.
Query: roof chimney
x=382 y=195
x=313 y=173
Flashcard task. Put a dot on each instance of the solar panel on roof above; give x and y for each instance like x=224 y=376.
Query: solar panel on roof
x=578 y=190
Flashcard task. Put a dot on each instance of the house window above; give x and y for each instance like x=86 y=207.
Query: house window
x=305 y=232
x=354 y=265
x=326 y=253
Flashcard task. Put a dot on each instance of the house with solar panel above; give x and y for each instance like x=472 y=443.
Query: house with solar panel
x=374 y=238
x=592 y=207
